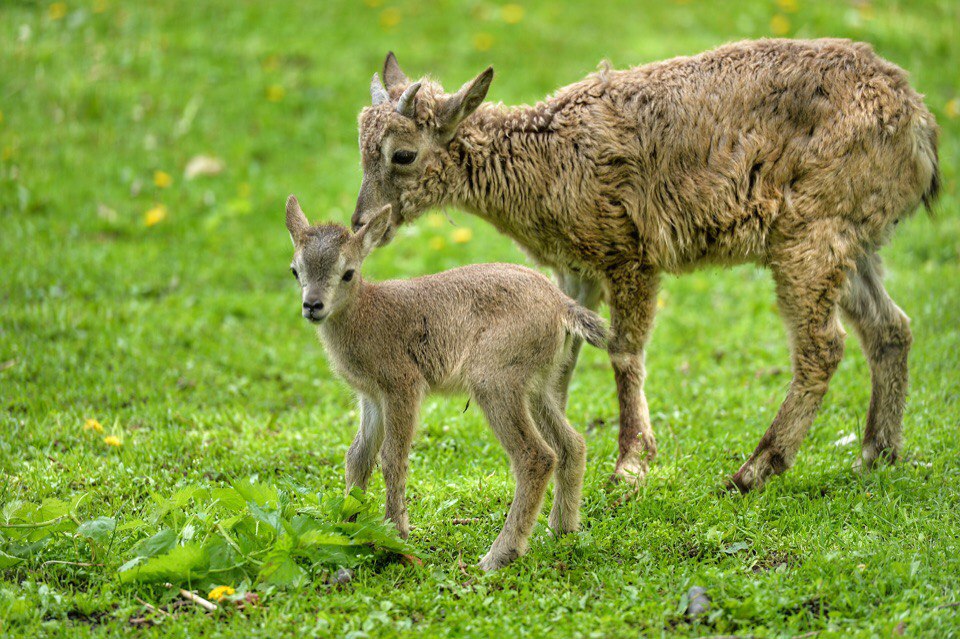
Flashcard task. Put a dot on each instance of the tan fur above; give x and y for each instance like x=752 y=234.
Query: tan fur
x=797 y=155
x=495 y=331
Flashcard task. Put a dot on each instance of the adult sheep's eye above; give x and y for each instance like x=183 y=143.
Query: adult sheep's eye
x=295 y=274
x=348 y=275
x=404 y=157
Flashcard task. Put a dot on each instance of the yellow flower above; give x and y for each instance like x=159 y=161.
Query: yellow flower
x=482 y=41
x=788 y=6
x=661 y=303
x=244 y=189
x=389 y=18
x=437 y=243
x=275 y=92
x=162 y=179
x=155 y=215
x=92 y=424
x=435 y=220
x=100 y=6
x=220 y=592
x=58 y=10
x=511 y=13
x=373 y=4
x=112 y=440
x=461 y=236
x=780 y=25
x=952 y=108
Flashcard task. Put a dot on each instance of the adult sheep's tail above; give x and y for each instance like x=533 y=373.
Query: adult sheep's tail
x=587 y=325
x=929 y=155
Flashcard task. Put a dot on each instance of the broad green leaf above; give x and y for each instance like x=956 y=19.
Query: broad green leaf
x=228 y=499
x=8 y=560
x=280 y=569
x=260 y=494
x=51 y=509
x=180 y=564
x=321 y=538
x=269 y=517
x=162 y=542
x=98 y=529
x=176 y=501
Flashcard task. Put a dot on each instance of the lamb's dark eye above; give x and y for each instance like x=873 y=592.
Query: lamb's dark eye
x=404 y=157
x=347 y=276
x=295 y=274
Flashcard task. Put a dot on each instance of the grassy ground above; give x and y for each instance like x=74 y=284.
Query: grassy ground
x=163 y=308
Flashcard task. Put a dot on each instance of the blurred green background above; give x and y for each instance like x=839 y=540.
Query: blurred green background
x=146 y=149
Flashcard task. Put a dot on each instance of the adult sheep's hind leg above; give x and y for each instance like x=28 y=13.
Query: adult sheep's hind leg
x=809 y=283
x=884 y=332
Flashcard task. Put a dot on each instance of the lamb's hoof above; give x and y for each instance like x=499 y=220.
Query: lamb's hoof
x=559 y=528
x=495 y=560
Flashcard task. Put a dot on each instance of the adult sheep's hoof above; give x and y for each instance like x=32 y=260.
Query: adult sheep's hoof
x=630 y=469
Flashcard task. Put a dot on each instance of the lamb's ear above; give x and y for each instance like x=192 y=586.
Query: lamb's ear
x=393 y=76
x=297 y=223
x=377 y=232
x=463 y=103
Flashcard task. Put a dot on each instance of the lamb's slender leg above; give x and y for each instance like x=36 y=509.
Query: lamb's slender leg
x=362 y=455
x=401 y=418
x=532 y=461
x=588 y=293
x=633 y=304
x=571 y=453
x=884 y=332
x=808 y=288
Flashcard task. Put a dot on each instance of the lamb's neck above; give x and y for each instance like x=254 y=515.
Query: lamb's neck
x=500 y=155
x=342 y=325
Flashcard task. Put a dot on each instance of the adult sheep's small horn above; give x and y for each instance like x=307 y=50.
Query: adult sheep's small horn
x=378 y=93
x=406 y=103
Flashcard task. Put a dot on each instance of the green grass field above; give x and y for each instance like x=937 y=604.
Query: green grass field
x=163 y=308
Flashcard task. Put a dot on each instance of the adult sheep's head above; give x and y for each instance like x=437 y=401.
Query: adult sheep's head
x=404 y=137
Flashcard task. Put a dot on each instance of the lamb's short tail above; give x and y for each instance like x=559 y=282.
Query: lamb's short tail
x=587 y=325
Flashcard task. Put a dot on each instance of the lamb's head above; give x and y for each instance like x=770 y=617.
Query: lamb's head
x=327 y=258
x=404 y=138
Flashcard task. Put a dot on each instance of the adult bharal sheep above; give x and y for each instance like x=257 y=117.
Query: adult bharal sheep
x=798 y=155
x=497 y=331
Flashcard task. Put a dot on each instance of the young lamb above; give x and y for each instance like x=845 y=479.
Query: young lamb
x=796 y=155
x=495 y=331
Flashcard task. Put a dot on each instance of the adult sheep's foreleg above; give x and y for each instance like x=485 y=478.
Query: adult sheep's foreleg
x=587 y=293
x=633 y=303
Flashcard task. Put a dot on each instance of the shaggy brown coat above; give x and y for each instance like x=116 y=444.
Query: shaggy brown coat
x=797 y=155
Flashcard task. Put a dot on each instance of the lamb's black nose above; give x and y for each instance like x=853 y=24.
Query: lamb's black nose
x=313 y=306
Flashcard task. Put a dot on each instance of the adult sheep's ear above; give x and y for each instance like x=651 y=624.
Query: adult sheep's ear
x=393 y=76
x=463 y=103
x=377 y=232
x=297 y=223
